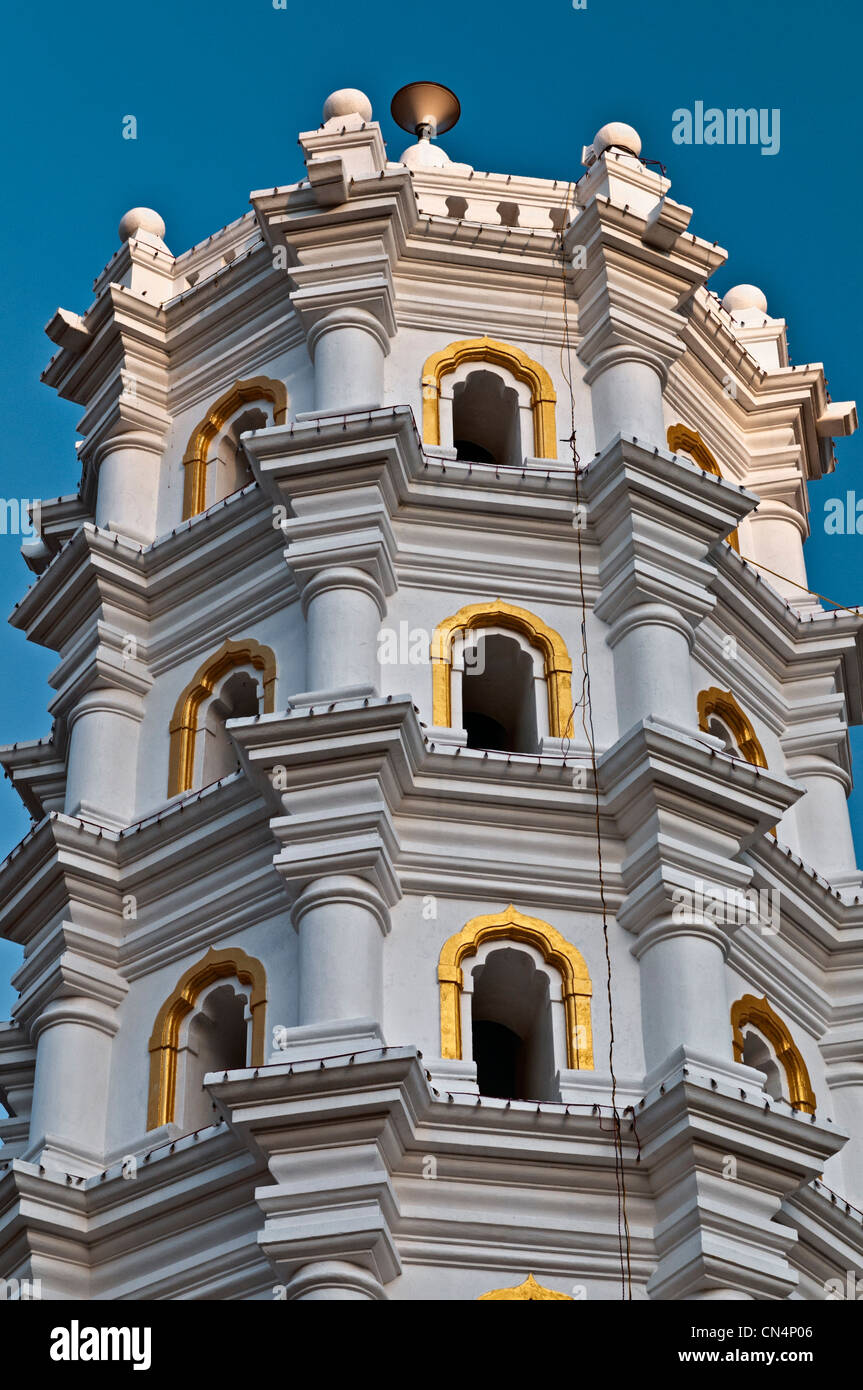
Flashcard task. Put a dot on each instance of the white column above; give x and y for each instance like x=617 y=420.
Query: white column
x=626 y=396
x=344 y=608
x=334 y=1280
x=101 y=776
x=775 y=533
x=348 y=347
x=70 y=1092
x=341 y=921
x=821 y=816
x=128 y=488
x=652 y=669
x=683 y=990
x=845 y=1079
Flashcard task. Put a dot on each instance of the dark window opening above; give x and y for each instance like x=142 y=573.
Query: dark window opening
x=237 y=699
x=232 y=467
x=486 y=422
x=468 y=452
x=216 y=1042
x=513 y=1045
x=498 y=1053
x=498 y=696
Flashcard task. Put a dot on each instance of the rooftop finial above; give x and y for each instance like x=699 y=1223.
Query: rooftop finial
x=141 y=220
x=615 y=135
x=347 y=101
x=745 y=297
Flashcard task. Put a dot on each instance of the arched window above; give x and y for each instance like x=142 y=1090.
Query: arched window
x=681 y=439
x=761 y=1039
x=237 y=681
x=520 y=1009
x=213 y=464
x=512 y=1041
x=503 y=675
x=500 y=413
x=239 y=696
x=721 y=715
x=214 y=1020
x=486 y=419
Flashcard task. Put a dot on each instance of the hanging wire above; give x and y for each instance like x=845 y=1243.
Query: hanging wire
x=623 y=1232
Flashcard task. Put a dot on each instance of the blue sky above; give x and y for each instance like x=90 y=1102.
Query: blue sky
x=220 y=90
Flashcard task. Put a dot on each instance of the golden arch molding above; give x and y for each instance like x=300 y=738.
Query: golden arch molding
x=681 y=439
x=165 y=1039
x=184 y=721
x=474 y=616
x=530 y=1291
x=751 y=1010
x=256 y=388
x=512 y=925
x=723 y=704
x=543 y=397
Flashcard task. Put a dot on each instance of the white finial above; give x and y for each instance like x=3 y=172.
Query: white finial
x=745 y=297
x=347 y=101
x=615 y=135
x=141 y=220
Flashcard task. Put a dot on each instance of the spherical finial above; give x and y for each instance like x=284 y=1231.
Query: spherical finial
x=348 y=101
x=141 y=220
x=745 y=297
x=619 y=136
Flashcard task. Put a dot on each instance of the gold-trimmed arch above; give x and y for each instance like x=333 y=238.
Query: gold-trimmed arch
x=255 y=388
x=165 y=1038
x=529 y=1291
x=184 y=721
x=749 y=1009
x=681 y=439
x=512 y=925
x=723 y=704
x=474 y=616
x=543 y=397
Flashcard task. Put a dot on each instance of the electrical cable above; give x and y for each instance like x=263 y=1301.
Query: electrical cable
x=623 y=1232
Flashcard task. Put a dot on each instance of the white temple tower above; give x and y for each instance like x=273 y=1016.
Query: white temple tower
x=441 y=881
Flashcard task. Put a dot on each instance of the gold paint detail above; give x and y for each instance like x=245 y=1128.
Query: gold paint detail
x=474 y=616
x=681 y=439
x=529 y=1290
x=543 y=397
x=757 y=1012
x=184 y=721
x=165 y=1039
x=256 y=388
x=512 y=925
x=723 y=704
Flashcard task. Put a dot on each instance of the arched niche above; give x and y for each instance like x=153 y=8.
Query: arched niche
x=165 y=1040
x=514 y=362
x=554 y=681
x=197 y=456
x=185 y=721
x=751 y=1012
x=510 y=925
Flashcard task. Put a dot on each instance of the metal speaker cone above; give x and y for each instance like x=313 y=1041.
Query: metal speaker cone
x=425 y=106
